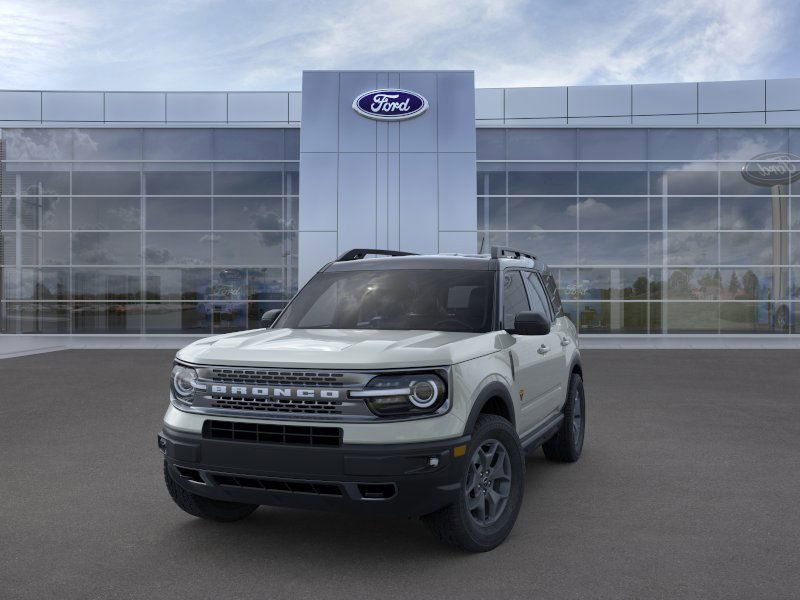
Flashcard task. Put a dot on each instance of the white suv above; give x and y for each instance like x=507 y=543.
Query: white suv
x=401 y=385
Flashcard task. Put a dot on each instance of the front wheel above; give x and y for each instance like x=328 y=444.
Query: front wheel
x=566 y=445
x=491 y=491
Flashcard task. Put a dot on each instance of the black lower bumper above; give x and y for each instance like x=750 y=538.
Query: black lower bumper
x=403 y=480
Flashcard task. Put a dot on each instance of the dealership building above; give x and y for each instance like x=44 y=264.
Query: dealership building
x=663 y=209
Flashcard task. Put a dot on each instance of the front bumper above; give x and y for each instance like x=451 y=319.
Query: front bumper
x=403 y=480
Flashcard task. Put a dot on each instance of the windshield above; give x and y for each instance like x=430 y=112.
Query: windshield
x=439 y=300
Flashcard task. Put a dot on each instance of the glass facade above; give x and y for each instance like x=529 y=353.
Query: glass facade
x=146 y=230
x=195 y=230
x=650 y=230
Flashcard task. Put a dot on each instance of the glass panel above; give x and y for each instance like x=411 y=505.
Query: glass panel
x=36 y=284
x=754 y=213
x=178 y=213
x=183 y=317
x=492 y=213
x=747 y=143
x=178 y=284
x=515 y=298
x=542 y=179
x=567 y=283
x=613 y=284
x=552 y=248
x=794 y=290
x=228 y=316
x=541 y=144
x=291 y=213
x=268 y=284
x=229 y=285
x=8 y=248
x=256 y=309
x=115 y=248
x=248 y=179
x=107 y=144
x=754 y=283
x=106 y=213
x=656 y=284
x=117 y=183
x=171 y=248
x=795 y=256
x=38 y=144
x=248 y=213
x=107 y=317
x=612 y=144
x=45 y=248
x=542 y=213
x=613 y=317
x=571 y=311
x=291 y=179
x=612 y=213
x=613 y=248
x=35 y=180
x=693 y=284
x=178 y=183
x=656 y=215
x=682 y=144
x=491 y=144
x=291 y=140
x=750 y=317
x=254 y=248
x=732 y=182
x=688 y=179
x=34 y=317
x=491 y=179
x=691 y=317
x=248 y=144
x=106 y=284
x=692 y=248
x=795 y=220
x=692 y=213
x=44 y=212
x=178 y=144
x=612 y=179
x=753 y=247
x=656 y=318
x=795 y=310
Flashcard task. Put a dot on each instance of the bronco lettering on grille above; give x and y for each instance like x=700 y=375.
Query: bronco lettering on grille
x=274 y=392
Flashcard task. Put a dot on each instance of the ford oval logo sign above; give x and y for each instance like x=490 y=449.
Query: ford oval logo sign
x=772 y=168
x=390 y=105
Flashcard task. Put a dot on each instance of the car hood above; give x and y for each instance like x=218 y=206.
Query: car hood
x=339 y=348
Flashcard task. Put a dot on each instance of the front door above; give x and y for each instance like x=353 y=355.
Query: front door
x=536 y=358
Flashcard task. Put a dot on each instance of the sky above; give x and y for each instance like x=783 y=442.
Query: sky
x=265 y=45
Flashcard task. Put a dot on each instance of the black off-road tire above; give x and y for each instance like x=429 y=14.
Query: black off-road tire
x=454 y=524
x=206 y=508
x=566 y=445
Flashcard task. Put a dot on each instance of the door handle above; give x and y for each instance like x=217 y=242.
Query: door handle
x=565 y=341
x=543 y=349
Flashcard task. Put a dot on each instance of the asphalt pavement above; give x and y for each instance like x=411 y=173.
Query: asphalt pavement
x=688 y=487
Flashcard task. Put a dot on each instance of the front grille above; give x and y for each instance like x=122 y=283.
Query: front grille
x=319 y=488
x=265 y=433
x=277 y=378
x=280 y=405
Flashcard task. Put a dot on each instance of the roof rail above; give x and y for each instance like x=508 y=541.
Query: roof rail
x=501 y=251
x=359 y=253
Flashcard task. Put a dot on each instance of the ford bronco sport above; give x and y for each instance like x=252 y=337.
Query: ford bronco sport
x=400 y=385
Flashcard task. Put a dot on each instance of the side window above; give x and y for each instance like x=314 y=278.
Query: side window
x=555 y=297
x=515 y=298
x=538 y=298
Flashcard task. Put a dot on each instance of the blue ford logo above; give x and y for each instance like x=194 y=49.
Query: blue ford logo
x=772 y=168
x=390 y=105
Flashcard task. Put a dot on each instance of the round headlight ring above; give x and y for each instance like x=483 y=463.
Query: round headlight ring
x=424 y=393
x=182 y=380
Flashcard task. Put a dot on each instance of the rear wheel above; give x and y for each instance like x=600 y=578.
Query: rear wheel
x=206 y=508
x=566 y=445
x=491 y=490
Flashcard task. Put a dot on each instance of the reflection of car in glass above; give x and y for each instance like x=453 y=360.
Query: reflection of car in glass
x=402 y=385
x=225 y=296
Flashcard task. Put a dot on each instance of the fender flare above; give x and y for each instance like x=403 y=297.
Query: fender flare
x=495 y=389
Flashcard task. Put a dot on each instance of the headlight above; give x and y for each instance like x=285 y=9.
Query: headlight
x=183 y=380
x=400 y=395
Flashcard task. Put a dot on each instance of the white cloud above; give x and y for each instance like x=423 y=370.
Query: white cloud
x=218 y=44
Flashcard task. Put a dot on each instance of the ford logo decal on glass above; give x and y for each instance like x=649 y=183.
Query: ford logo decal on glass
x=390 y=105
x=772 y=168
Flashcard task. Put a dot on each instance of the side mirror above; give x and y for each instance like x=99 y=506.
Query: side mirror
x=269 y=317
x=531 y=323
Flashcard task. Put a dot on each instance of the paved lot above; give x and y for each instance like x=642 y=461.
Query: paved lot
x=688 y=488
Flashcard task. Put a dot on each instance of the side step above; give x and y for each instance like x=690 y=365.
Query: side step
x=541 y=434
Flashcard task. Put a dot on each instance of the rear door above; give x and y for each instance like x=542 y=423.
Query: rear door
x=533 y=367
